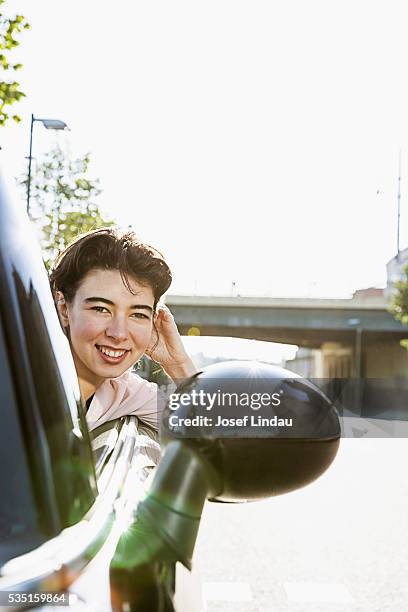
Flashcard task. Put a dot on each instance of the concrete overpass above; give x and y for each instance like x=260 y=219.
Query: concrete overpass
x=360 y=330
x=306 y=322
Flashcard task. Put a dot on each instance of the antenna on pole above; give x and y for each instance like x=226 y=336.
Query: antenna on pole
x=399 y=204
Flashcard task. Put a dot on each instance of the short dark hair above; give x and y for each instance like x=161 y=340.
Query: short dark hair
x=108 y=248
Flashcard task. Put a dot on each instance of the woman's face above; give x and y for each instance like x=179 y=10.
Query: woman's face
x=109 y=327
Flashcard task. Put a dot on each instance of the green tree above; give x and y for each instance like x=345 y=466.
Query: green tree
x=399 y=302
x=62 y=202
x=10 y=28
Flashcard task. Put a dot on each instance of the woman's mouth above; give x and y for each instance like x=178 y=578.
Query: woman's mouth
x=110 y=355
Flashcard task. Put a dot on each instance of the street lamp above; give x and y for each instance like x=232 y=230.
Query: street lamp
x=50 y=124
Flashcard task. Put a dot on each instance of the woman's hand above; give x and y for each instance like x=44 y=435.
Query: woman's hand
x=166 y=346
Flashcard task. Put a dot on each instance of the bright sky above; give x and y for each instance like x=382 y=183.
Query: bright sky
x=254 y=142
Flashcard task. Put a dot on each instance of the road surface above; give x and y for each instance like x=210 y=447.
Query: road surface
x=338 y=545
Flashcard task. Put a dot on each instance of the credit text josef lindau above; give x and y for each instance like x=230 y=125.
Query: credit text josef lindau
x=176 y=421
x=221 y=398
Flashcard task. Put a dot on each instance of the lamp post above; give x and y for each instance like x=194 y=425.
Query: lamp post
x=399 y=206
x=356 y=323
x=49 y=124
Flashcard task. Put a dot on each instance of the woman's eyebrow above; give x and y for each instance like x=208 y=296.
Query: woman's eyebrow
x=106 y=301
x=142 y=307
x=98 y=299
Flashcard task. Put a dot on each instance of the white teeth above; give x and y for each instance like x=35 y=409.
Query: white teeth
x=111 y=353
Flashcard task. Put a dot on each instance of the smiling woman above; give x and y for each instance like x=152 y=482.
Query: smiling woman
x=107 y=287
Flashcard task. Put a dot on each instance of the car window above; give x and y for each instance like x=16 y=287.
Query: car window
x=18 y=515
x=70 y=455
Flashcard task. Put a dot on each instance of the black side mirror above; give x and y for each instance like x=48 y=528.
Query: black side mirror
x=244 y=451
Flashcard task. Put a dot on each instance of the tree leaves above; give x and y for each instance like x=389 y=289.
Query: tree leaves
x=10 y=28
x=399 y=301
x=62 y=200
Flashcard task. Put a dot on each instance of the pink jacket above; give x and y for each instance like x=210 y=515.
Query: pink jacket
x=128 y=394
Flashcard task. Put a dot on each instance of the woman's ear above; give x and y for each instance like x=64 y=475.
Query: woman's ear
x=62 y=309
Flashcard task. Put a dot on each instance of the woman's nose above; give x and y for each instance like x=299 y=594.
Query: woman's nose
x=117 y=329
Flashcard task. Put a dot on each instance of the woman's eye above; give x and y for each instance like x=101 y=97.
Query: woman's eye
x=140 y=315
